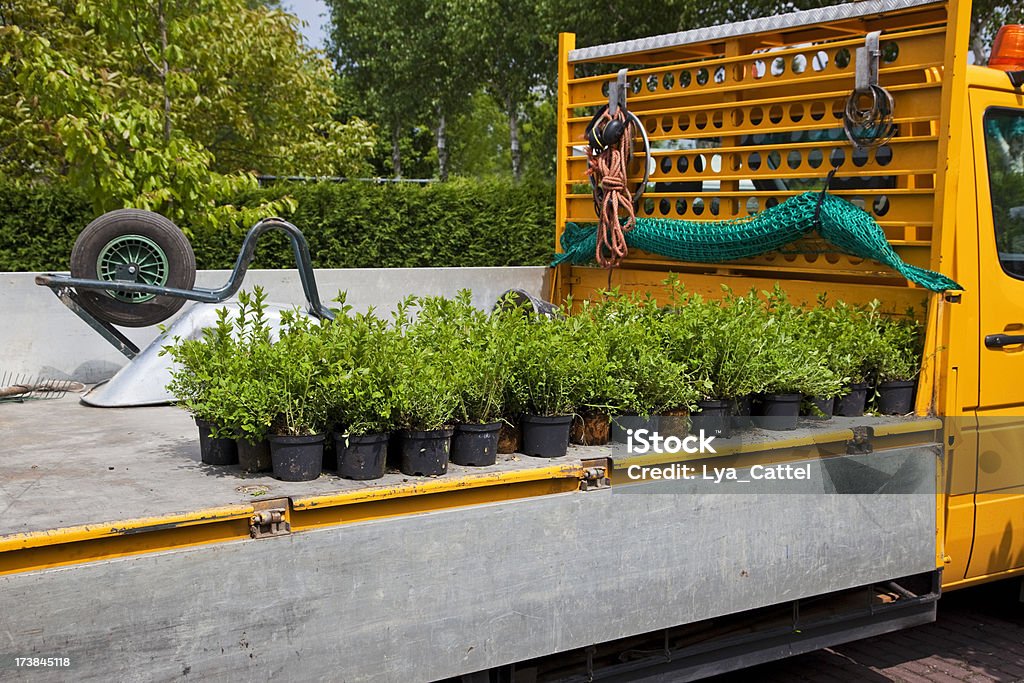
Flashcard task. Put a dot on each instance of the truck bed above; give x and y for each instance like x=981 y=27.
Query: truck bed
x=109 y=511
x=105 y=471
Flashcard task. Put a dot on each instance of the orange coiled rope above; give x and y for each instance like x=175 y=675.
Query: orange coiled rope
x=607 y=169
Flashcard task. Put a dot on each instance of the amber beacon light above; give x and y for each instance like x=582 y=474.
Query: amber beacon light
x=1008 y=48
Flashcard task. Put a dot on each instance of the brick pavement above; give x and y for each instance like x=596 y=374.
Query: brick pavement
x=979 y=637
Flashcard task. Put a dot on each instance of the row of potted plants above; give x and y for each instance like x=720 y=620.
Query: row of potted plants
x=453 y=382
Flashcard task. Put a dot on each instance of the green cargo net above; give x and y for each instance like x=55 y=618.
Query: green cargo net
x=845 y=226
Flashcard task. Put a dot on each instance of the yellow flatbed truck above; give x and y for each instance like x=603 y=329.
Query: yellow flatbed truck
x=122 y=557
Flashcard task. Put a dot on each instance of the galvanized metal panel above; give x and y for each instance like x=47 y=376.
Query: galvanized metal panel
x=439 y=594
x=811 y=17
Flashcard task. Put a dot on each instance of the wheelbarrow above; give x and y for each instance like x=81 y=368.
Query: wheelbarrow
x=136 y=268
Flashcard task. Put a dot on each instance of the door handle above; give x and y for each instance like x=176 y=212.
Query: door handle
x=998 y=341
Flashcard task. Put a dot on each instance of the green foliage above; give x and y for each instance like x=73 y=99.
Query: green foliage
x=299 y=377
x=167 y=106
x=724 y=341
x=850 y=334
x=796 y=359
x=224 y=377
x=360 y=351
x=641 y=378
x=478 y=348
x=39 y=225
x=348 y=225
x=899 y=352
x=425 y=386
x=545 y=378
x=441 y=361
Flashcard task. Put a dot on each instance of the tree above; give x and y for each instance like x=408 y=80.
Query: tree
x=370 y=46
x=514 y=51
x=169 y=106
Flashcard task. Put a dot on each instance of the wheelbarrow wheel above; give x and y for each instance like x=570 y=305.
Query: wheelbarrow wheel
x=137 y=246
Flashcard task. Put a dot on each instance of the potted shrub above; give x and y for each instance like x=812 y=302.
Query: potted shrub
x=200 y=370
x=601 y=389
x=652 y=383
x=898 y=364
x=546 y=381
x=721 y=343
x=481 y=348
x=795 y=365
x=617 y=340
x=245 y=405
x=425 y=397
x=360 y=392
x=297 y=382
x=851 y=335
x=483 y=369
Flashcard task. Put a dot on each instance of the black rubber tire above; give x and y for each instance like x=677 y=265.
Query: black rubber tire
x=181 y=265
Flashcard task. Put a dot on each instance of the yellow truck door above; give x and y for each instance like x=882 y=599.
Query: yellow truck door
x=998 y=129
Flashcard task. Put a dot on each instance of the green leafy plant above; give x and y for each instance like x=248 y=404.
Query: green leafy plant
x=298 y=377
x=480 y=347
x=795 y=359
x=222 y=377
x=546 y=378
x=849 y=336
x=642 y=379
x=348 y=225
x=722 y=342
x=360 y=388
x=200 y=368
x=426 y=395
x=899 y=353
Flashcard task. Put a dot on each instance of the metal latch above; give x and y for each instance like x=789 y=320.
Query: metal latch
x=595 y=474
x=861 y=441
x=269 y=522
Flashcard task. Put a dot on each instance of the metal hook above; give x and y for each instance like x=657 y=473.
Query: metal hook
x=617 y=93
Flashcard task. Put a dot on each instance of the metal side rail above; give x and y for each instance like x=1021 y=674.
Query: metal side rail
x=716 y=646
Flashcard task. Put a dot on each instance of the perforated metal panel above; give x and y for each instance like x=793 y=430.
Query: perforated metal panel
x=745 y=115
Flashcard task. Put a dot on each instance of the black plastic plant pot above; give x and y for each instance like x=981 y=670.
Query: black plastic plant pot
x=779 y=412
x=425 y=454
x=476 y=445
x=625 y=425
x=297 y=458
x=361 y=457
x=546 y=436
x=819 y=408
x=254 y=457
x=895 y=398
x=852 y=404
x=215 y=451
x=713 y=418
x=742 y=409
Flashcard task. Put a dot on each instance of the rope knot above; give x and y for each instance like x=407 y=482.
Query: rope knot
x=608 y=170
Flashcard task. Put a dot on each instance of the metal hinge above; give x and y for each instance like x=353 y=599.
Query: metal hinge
x=269 y=521
x=861 y=441
x=595 y=474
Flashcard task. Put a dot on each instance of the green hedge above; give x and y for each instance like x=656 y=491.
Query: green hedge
x=348 y=225
x=38 y=227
